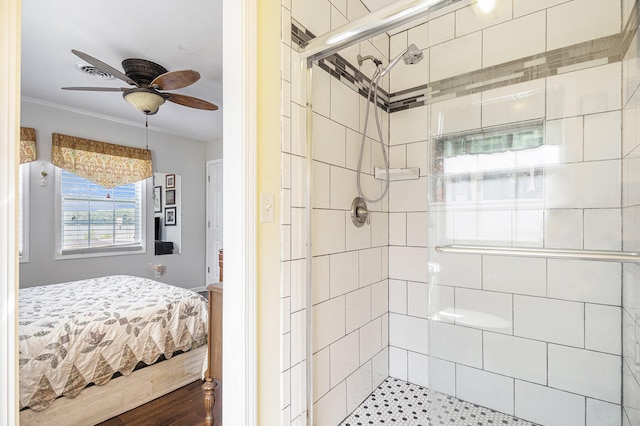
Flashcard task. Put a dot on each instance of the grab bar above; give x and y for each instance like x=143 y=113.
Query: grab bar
x=598 y=255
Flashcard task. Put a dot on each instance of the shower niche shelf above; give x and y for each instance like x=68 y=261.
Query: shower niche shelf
x=411 y=173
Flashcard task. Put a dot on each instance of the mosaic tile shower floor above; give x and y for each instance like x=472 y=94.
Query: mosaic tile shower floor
x=396 y=402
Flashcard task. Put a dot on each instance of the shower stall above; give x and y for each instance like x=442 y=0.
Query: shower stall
x=497 y=279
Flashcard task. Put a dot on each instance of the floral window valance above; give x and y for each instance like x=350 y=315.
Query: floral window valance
x=28 y=150
x=106 y=164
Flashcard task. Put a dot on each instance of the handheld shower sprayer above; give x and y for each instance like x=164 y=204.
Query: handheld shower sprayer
x=411 y=55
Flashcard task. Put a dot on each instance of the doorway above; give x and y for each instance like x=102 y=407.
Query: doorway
x=214 y=219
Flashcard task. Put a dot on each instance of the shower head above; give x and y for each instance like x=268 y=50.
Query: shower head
x=411 y=55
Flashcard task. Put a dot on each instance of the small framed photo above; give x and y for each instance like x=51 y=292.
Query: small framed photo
x=170 y=216
x=157 y=199
x=170 y=197
x=170 y=181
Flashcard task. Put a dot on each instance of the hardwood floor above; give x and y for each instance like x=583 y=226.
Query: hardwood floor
x=182 y=407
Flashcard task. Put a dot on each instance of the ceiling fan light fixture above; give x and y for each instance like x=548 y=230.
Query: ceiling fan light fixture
x=144 y=100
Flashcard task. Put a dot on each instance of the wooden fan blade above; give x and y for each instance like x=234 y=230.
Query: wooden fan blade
x=189 y=101
x=175 y=80
x=104 y=67
x=97 y=89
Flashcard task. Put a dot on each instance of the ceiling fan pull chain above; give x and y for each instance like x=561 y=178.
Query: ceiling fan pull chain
x=146 y=131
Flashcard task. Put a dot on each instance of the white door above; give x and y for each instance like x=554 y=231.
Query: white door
x=214 y=219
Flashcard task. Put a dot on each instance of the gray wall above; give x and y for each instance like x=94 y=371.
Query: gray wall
x=171 y=154
x=214 y=150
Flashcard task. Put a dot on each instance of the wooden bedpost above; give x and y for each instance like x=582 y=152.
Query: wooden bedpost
x=213 y=375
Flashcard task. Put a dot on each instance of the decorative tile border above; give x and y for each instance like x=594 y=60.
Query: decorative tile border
x=605 y=50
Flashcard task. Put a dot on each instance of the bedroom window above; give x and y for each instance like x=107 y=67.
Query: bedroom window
x=95 y=221
x=23 y=213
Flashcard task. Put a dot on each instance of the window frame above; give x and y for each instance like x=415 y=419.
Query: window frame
x=61 y=254
x=23 y=224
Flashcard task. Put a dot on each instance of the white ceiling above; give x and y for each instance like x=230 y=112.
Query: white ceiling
x=177 y=35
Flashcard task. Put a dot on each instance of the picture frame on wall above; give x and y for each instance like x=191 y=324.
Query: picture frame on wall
x=170 y=181
x=170 y=195
x=157 y=199
x=170 y=216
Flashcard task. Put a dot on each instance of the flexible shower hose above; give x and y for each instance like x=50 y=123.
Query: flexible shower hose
x=374 y=86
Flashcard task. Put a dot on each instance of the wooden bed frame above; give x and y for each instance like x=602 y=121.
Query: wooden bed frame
x=96 y=404
x=213 y=373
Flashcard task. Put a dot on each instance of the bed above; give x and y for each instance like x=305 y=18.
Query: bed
x=78 y=334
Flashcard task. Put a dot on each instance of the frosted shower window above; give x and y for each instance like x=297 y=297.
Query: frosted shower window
x=504 y=164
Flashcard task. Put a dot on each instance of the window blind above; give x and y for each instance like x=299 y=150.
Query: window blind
x=96 y=219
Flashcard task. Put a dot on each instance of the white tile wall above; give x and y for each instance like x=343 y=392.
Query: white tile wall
x=573 y=94
x=515 y=357
x=408 y=263
x=418 y=369
x=596 y=282
x=594 y=184
x=568 y=23
x=380 y=366
x=446 y=60
x=343 y=275
x=563 y=228
x=344 y=105
x=602 y=328
x=445 y=271
x=490 y=390
x=379 y=298
x=398 y=296
x=472 y=18
x=602 y=136
x=514 y=103
x=442 y=376
x=370 y=340
x=441 y=29
x=567 y=135
x=603 y=413
x=332 y=407
x=548 y=406
x=329 y=141
x=562 y=322
x=586 y=372
x=358 y=307
x=408 y=332
x=359 y=386
x=411 y=125
x=397 y=363
x=344 y=358
x=514 y=275
x=418 y=299
x=525 y=7
x=370 y=266
x=329 y=322
x=483 y=309
x=562 y=314
x=602 y=229
x=456 y=115
x=458 y=344
x=514 y=39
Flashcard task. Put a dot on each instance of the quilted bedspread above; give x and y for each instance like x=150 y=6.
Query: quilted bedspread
x=77 y=333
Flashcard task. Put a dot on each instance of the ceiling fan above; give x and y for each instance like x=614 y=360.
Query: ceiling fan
x=149 y=80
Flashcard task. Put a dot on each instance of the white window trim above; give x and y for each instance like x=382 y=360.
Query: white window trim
x=101 y=251
x=25 y=170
